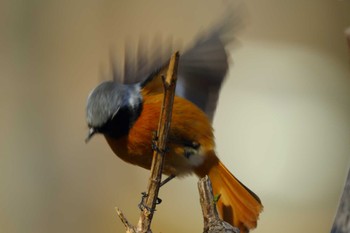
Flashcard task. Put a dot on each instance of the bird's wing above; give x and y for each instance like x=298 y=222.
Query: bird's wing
x=202 y=66
x=202 y=70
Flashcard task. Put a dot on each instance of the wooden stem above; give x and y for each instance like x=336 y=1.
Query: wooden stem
x=128 y=226
x=158 y=155
x=144 y=225
x=212 y=221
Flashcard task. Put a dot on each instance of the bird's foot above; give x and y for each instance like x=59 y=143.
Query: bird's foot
x=169 y=178
x=142 y=205
x=155 y=144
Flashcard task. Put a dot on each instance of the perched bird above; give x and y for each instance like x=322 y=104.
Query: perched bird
x=126 y=111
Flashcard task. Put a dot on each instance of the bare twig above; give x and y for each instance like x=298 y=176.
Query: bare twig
x=342 y=219
x=128 y=226
x=212 y=222
x=158 y=155
x=154 y=183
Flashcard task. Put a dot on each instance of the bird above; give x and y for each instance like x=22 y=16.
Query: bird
x=126 y=110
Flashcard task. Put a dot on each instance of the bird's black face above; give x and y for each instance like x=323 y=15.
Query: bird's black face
x=112 y=109
x=120 y=124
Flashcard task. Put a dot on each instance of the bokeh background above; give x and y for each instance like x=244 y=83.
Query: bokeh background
x=282 y=124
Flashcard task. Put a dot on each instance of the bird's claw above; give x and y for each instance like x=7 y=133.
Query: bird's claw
x=155 y=144
x=142 y=206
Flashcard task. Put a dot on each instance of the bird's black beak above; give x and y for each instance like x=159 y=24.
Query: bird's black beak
x=91 y=133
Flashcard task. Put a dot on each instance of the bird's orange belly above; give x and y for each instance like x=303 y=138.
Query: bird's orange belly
x=187 y=125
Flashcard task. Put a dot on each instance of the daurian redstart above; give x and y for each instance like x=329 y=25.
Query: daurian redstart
x=127 y=114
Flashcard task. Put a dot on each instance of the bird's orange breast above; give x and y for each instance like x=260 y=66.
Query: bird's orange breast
x=189 y=124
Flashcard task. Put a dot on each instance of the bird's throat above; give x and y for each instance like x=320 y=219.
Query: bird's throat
x=122 y=122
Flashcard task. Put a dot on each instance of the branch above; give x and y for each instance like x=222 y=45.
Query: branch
x=145 y=220
x=212 y=222
x=342 y=219
x=128 y=226
x=158 y=155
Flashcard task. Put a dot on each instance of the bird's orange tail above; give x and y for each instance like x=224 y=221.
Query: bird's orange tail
x=237 y=205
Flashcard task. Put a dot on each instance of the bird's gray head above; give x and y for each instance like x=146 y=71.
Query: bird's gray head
x=112 y=108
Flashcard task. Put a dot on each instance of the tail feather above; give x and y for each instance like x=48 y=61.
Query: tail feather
x=237 y=205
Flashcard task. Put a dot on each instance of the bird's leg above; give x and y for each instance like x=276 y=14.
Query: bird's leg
x=169 y=178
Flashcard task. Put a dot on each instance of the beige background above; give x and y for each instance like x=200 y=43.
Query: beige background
x=282 y=125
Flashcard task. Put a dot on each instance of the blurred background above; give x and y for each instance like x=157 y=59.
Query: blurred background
x=282 y=124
